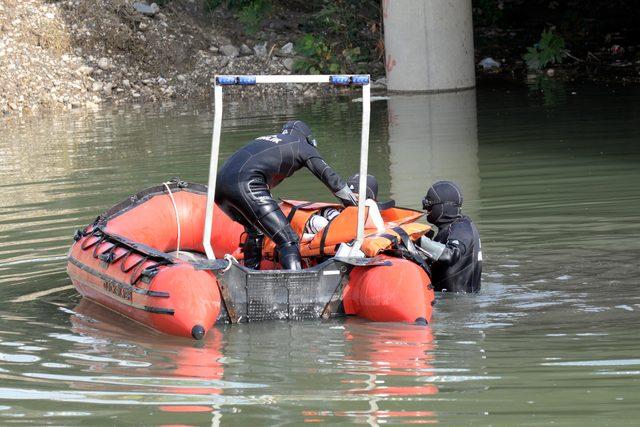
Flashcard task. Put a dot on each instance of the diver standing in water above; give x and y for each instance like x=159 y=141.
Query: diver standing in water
x=455 y=253
x=244 y=182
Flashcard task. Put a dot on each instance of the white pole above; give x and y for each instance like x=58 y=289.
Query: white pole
x=364 y=159
x=213 y=170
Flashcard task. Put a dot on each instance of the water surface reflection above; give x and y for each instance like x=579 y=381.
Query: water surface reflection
x=433 y=137
x=554 y=189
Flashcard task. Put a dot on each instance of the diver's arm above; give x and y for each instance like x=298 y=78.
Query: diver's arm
x=331 y=179
x=437 y=252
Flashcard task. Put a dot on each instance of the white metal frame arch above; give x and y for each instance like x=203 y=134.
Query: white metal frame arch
x=247 y=80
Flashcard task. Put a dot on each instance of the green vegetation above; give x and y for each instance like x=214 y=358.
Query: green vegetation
x=549 y=50
x=250 y=13
x=318 y=56
x=345 y=36
x=336 y=34
x=592 y=33
x=342 y=36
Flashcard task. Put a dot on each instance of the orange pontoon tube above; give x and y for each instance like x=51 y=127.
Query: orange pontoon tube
x=143 y=261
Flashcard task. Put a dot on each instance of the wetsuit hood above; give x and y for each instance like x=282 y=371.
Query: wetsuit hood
x=442 y=203
x=372 y=185
x=300 y=129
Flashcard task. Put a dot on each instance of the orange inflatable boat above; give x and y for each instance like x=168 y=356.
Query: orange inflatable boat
x=144 y=258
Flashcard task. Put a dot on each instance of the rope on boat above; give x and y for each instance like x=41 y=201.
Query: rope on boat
x=175 y=208
x=230 y=258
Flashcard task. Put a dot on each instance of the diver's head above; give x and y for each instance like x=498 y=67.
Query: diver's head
x=372 y=185
x=442 y=202
x=299 y=129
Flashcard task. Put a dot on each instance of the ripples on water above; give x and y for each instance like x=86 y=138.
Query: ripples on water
x=552 y=337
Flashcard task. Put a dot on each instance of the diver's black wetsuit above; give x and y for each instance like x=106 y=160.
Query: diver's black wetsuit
x=244 y=182
x=456 y=266
x=462 y=275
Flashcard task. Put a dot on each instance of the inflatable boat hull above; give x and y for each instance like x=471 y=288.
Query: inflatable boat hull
x=178 y=300
x=124 y=261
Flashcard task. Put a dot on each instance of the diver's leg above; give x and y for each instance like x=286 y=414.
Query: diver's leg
x=253 y=248
x=262 y=213
x=276 y=226
x=289 y=256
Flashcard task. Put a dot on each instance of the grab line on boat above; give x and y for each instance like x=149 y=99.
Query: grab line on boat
x=111 y=280
x=175 y=209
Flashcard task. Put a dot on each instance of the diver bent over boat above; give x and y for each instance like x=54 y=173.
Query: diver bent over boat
x=455 y=253
x=244 y=182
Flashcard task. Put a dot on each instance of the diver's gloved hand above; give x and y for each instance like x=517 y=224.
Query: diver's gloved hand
x=450 y=255
x=439 y=252
x=346 y=196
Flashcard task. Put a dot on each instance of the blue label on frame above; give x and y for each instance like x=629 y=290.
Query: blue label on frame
x=339 y=80
x=360 y=80
x=226 y=80
x=247 y=80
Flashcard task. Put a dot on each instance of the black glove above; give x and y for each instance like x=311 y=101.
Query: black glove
x=450 y=255
x=347 y=197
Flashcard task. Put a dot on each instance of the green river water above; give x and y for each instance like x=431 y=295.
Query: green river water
x=552 y=181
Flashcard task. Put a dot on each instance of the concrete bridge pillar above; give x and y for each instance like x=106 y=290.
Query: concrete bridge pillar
x=428 y=45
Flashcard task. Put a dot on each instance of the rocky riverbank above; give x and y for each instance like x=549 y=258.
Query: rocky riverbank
x=83 y=53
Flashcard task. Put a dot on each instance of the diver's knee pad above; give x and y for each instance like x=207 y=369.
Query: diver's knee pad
x=289 y=256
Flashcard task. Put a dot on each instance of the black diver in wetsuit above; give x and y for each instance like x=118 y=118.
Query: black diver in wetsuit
x=244 y=182
x=455 y=254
